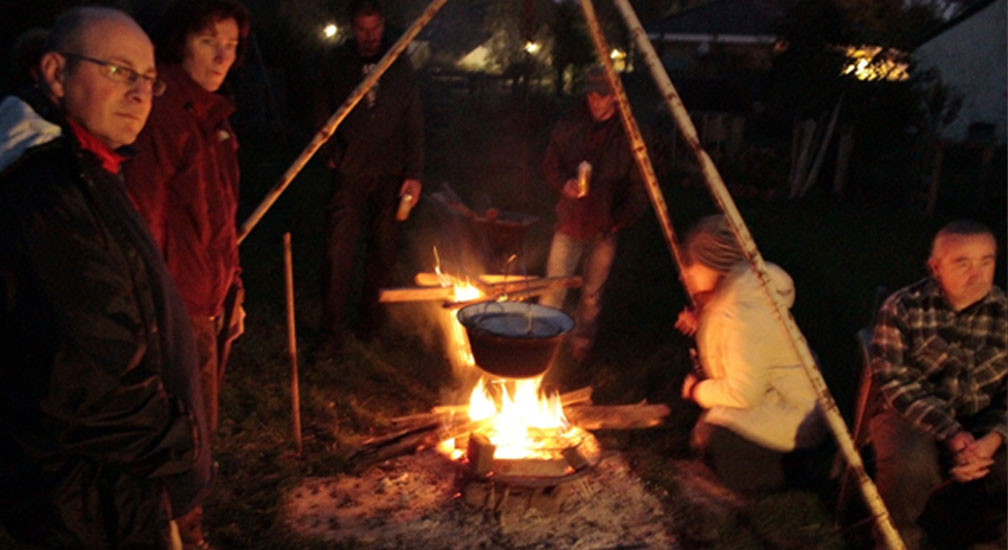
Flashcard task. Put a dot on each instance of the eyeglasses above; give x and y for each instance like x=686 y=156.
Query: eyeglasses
x=123 y=75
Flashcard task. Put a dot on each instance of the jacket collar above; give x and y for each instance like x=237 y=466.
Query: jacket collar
x=109 y=159
x=32 y=118
x=22 y=126
x=933 y=288
x=208 y=107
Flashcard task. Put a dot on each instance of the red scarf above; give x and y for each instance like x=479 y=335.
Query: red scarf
x=110 y=160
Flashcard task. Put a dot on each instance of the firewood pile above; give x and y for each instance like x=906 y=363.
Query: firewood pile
x=423 y=430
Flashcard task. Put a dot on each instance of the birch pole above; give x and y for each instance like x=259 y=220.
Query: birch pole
x=637 y=145
x=334 y=121
x=723 y=198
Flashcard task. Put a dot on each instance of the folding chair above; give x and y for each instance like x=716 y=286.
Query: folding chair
x=867 y=402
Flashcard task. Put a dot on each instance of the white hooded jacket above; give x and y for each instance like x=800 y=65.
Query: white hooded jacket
x=21 y=128
x=755 y=384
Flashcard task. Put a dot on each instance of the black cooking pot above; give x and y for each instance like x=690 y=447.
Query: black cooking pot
x=514 y=339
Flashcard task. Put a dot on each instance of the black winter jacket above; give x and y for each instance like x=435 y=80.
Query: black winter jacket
x=383 y=135
x=100 y=412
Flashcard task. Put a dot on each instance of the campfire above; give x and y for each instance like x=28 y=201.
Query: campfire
x=511 y=439
x=502 y=450
x=513 y=418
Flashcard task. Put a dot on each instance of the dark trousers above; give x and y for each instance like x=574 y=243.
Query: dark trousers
x=206 y=331
x=740 y=464
x=910 y=477
x=361 y=211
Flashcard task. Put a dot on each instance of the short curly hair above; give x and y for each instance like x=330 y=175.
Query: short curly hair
x=184 y=17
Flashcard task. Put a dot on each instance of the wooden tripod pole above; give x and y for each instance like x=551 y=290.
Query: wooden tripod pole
x=637 y=145
x=334 y=121
x=721 y=195
x=292 y=341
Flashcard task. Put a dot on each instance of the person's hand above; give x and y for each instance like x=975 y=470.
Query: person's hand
x=688 y=386
x=240 y=322
x=971 y=469
x=413 y=187
x=985 y=447
x=570 y=189
x=687 y=322
x=958 y=442
x=974 y=460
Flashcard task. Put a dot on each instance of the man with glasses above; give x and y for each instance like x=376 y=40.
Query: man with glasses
x=940 y=363
x=102 y=434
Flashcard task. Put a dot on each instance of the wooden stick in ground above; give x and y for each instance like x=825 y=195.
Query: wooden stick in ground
x=292 y=342
x=723 y=198
x=334 y=121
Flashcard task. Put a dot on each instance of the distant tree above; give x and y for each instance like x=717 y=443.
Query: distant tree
x=809 y=93
x=572 y=46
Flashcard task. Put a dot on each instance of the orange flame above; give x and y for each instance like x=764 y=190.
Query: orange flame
x=521 y=415
x=456 y=340
x=520 y=412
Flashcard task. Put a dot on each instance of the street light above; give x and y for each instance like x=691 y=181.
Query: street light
x=330 y=31
x=618 y=57
x=532 y=47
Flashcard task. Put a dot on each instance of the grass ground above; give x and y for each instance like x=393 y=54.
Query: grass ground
x=836 y=251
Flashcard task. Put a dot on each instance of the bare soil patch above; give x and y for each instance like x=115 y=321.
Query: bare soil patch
x=413 y=502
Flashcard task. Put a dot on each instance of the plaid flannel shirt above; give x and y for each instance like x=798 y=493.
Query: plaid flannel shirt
x=938 y=367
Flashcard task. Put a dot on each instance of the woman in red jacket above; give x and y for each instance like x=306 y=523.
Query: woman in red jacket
x=184 y=178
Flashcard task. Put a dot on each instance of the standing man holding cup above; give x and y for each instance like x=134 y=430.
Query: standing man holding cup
x=590 y=163
x=376 y=157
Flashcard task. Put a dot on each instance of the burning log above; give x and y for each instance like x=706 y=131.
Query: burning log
x=519 y=291
x=433 y=279
x=571 y=398
x=444 y=413
x=480 y=453
x=416 y=294
x=407 y=441
x=383 y=448
x=492 y=291
x=617 y=417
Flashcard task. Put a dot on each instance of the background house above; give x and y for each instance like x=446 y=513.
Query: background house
x=969 y=55
x=717 y=37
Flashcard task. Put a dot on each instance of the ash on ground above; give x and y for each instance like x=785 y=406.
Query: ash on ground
x=413 y=502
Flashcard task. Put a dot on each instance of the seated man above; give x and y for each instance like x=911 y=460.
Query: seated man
x=939 y=362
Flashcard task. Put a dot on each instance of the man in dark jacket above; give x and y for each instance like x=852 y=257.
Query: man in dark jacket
x=589 y=217
x=377 y=159
x=102 y=437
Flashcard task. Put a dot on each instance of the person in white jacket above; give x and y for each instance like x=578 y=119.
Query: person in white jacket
x=759 y=404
